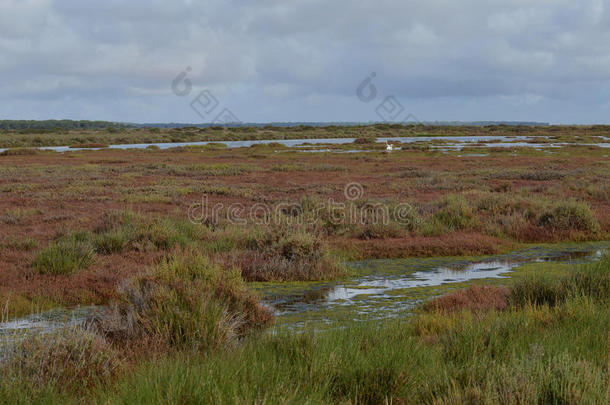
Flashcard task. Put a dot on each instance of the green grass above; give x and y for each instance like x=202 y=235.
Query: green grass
x=538 y=350
x=531 y=353
x=570 y=215
x=74 y=359
x=456 y=213
x=591 y=281
x=25 y=244
x=364 y=133
x=307 y=168
x=118 y=231
x=65 y=256
x=219 y=169
x=123 y=230
x=285 y=253
x=530 y=356
x=186 y=302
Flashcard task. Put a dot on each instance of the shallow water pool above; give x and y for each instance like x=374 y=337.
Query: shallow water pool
x=384 y=288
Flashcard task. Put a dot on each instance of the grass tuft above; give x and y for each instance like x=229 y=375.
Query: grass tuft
x=475 y=298
x=186 y=302
x=286 y=253
x=456 y=213
x=570 y=215
x=592 y=281
x=72 y=360
x=65 y=256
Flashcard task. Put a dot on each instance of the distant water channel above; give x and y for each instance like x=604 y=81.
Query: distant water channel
x=445 y=142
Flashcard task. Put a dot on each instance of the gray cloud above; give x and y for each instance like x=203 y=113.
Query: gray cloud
x=273 y=60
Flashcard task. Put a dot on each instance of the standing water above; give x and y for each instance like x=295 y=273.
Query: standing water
x=379 y=288
x=387 y=287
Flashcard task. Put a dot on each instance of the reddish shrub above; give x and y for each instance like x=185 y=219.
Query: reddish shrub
x=475 y=298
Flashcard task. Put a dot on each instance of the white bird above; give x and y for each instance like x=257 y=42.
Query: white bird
x=388 y=146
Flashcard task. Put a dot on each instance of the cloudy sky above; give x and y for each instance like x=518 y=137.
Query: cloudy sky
x=305 y=60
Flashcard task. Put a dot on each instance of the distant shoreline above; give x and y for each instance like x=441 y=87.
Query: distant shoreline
x=92 y=125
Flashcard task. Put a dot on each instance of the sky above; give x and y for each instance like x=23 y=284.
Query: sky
x=306 y=60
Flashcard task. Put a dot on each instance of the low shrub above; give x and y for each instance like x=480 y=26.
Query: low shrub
x=415 y=172
x=475 y=298
x=219 y=169
x=380 y=231
x=287 y=168
x=529 y=352
x=65 y=256
x=112 y=241
x=274 y=145
x=524 y=174
x=569 y=215
x=71 y=359
x=186 y=302
x=365 y=140
x=285 y=254
x=120 y=230
x=456 y=213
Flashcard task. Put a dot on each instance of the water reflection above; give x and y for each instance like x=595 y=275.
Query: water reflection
x=454 y=142
x=48 y=321
x=389 y=286
x=383 y=288
x=435 y=142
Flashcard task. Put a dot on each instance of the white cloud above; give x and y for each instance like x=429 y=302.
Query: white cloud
x=273 y=60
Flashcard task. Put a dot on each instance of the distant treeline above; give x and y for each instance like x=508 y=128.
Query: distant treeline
x=50 y=125
x=342 y=124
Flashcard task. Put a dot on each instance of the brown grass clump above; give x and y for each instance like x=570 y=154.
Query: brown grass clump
x=260 y=266
x=365 y=140
x=71 y=359
x=475 y=298
x=453 y=244
x=185 y=303
x=380 y=231
x=286 y=254
x=570 y=215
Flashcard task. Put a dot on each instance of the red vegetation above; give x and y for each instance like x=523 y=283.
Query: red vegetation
x=475 y=298
x=453 y=244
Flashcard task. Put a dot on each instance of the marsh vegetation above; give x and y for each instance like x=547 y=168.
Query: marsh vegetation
x=179 y=319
